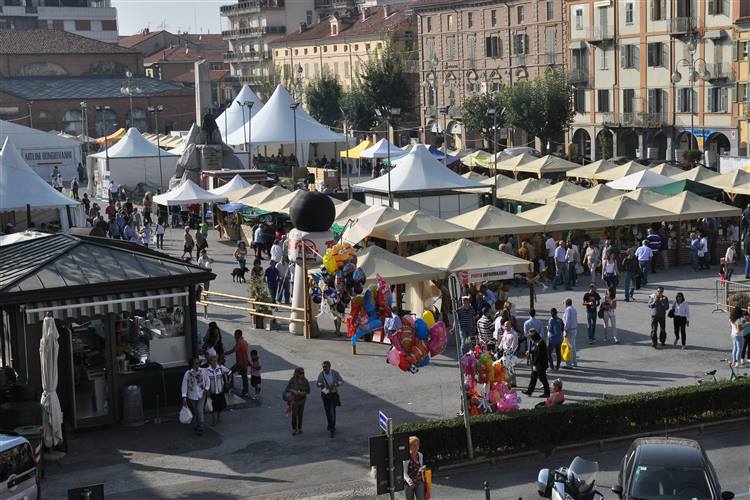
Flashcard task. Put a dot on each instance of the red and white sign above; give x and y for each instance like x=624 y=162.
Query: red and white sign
x=486 y=274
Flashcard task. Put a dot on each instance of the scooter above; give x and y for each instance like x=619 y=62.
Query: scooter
x=575 y=482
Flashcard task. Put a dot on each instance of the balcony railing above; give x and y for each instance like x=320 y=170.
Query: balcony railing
x=719 y=71
x=600 y=33
x=520 y=59
x=609 y=119
x=254 y=31
x=578 y=75
x=250 y=6
x=644 y=120
x=246 y=56
x=335 y=4
x=681 y=25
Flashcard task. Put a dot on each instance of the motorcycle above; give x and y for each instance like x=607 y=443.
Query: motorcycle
x=575 y=482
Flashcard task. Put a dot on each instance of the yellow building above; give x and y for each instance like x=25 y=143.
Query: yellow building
x=742 y=69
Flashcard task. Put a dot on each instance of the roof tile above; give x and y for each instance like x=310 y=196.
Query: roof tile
x=54 y=42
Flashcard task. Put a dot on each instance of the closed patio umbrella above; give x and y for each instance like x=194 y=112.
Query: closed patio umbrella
x=51 y=412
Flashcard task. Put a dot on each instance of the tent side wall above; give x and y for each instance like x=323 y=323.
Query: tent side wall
x=131 y=171
x=443 y=206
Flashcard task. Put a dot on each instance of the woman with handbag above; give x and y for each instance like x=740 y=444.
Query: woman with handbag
x=414 y=483
x=297 y=390
x=680 y=314
x=610 y=271
x=609 y=314
x=194 y=388
x=218 y=383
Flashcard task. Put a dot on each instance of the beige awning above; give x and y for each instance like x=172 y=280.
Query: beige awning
x=687 y=206
x=394 y=269
x=697 y=174
x=587 y=197
x=589 y=170
x=502 y=181
x=519 y=190
x=546 y=165
x=256 y=199
x=736 y=182
x=236 y=196
x=666 y=169
x=418 y=226
x=644 y=196
x=282 y=204
x=560 y=216
x=553 y=192
x=625 y=211
x=510 y=164
x=620 y=171
x=491 y=221
x=349 y=209
x=466 y=255
x=474 y=176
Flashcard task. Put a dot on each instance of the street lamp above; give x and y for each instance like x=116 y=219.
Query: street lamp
x=99 y=114
x=294 y=107
x=249 y=134
x=677 y=77
x=31 y=115
x=444 y=111
x=348 y=167
x=493 y=112
x=387 y=114
x=84 y=130
x=129 y=88
x=156 y=110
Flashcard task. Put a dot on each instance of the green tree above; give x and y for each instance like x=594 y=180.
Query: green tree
x=359 y=109
x=605 y=144
x=323 y=95
x=385 y=82
x=475 y=114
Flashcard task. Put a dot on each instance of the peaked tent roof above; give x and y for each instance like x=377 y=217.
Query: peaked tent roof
x=502 y=181
x=259 y=197
x=275 y=124
x=235 y=184
x=689 y=206
x=21 y=186
x=466 y=255
x=640 y=179
x=474 y=176
x=419 y=171
x=235 y=116
x=478 y=158
x=590 y=170
x=23 y=137
x=511 y=163
x=355 y=152
x=394 y=268
x=560 y=215
x=281 y=204
x=491 y=221
x=187 y=193
x=382 y=149
x=698 y=174
x=553 y=192
x=253 y=189
x=677 y=187
x=518 y=190
x=666 y=169
x=349 y=209
x=588 y=197
x=623 y=211
x=620 y=171
x=132 y=145
x=644 y=195
x=418 y=226
x=735 y=182
x=546 y=165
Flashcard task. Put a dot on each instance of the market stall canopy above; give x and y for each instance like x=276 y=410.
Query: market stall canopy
x=466 y=255
x=187 y=193
x=253 y=189
x=686 y=185
x=473 y=176
x=21 y=186
x=362 y=225
x=736 y=182
x=418 y=172
x=349 y=209
x=697 y=174
x=236 y=115
x=553 y=192
x=641 y=179
x=620 y=171
x=132 y=145
x=113 y=137
x=382 y=149
x=588 y=197
x=478 y=158
x=491 y=221
x=418 y=226
x=689 y=206
x=502 y=181
x=43 y=150
x=235 y=184
x=625 y=211
x=355 y=152
x=440 y=156
x=510 y=164
x=283 y=203
x=590 y=170
x=666 y=169
x=259 y=197
x=394 y=269
x=644 y=196
x=519 y=190
x=560 y=216
x=546 y=165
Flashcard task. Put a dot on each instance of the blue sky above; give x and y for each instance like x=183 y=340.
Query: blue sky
x=201 y=16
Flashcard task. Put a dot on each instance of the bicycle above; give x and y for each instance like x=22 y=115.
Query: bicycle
x=733 y=375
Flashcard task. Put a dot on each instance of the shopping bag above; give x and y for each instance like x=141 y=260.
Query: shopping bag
x=209 y=405
x=185 y=415
x=427 y=484
x=566 y=351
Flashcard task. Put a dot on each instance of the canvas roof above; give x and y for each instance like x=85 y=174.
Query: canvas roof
x=698 y=174
x=418 y=171
x=689 y=206
x=21 y=186
x=502 y=181
x=382 y=149
x=492 y=221
x=187 y=193
x=355 y=152
x=546 y=165
x=478 y=158
x=282 y=204
x=677 y=187
x=23 y=137
x=620 y=171
x=511 y=163
x=418 y=226
x=588 y=197
x=644 y=196
x=589 y=170
x=474 y=176
x=553 y=192
x=736 y=182
x=518 y=190
x=132 y=145
x=235 y=184
x=257 y=198
x=559 y=215
x=622 y=211
x=666 y=169
x=235 y=196
x=235 y=116
x=393 y=268
x=349 y=208
x=466 y=255
x=640 y=179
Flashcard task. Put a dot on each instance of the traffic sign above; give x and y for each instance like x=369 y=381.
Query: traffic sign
x=383 y=422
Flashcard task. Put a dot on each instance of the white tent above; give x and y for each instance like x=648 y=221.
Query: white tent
x=275 y=124
x=382 y=149
x=418 y=181
x=642 y=179
x=188 y=193
x=43 y=151
x=52 y=415
x=135 y=160
x=236 y=183
x=235 y=116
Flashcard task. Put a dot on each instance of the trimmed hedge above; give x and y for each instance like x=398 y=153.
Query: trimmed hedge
x=545 y=428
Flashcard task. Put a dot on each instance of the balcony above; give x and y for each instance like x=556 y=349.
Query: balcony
x=596 y=34
x=609 y=119
x=230 y=57
x=578 y=75
x=681 y=25
x=336 y=4
x=643 y=120
x=250 y=7
x=520 y=59
x=719 y=71
x=253 y=32
x=430 y=110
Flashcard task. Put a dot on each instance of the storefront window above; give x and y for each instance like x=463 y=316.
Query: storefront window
x=154 y=335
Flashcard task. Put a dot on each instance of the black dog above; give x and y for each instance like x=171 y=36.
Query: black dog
x=238 y=274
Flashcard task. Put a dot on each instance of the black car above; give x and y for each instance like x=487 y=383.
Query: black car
x=669 y=469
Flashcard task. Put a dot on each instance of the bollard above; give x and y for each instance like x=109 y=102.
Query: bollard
x=486 y=490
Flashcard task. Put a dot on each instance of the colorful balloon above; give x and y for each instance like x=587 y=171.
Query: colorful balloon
x=428 y=318
x=421 y=330
x=438 y=338
x=329 y=262
x=393 y=357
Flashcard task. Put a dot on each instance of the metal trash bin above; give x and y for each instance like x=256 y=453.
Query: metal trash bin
x=132 y=407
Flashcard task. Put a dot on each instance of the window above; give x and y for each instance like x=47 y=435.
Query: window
x=83 y=25
x=628 y=100
x=520 y=43
x=550 y=10
x=429 y=49
x=452 y=98
x=471 y=51
x=450 y=23
x=305 y=51
x=579 y=100
x=73 y=122
x=347 y=69
x=109 y=25
x=718 y=7
x=430 y=96
x=656 y=55
x=603 y=59
x=657 y=101
x=139 y=119
x=450 y=44
x=519 y=14
x=493 y=47
x=658 y=10
x=629 y=12
x=296 y=52
x=685 y=100
x=602 y=98
x=316 y=69
x=336 y=69
x=357 y=66
x=717 y=99
x=152 y=335
x=630 y=56
x=470 y=19
x=550 y=38
x=315 y=50
x=307 y=68
x=579 y=19
x=106 y=122
x=309 y=17
x=493 y=18
x=429 y=24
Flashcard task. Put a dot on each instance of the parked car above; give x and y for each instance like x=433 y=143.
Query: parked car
x=668 y=468
x=18 y=476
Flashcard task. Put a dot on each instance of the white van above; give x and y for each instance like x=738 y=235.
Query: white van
x=18 y=478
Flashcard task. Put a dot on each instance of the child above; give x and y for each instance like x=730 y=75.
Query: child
x=255 y=376
x=146 y=233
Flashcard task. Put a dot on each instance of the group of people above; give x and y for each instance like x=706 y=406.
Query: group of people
x=123 y=221
x=278 y=274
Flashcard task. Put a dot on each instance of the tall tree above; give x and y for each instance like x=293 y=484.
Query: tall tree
x=359 y=109
x=323 y=95
x=477 y=118
x=385 y=82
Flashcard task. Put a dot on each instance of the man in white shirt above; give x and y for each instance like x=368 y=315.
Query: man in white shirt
x=644 y=254
x=113 y=187
x=509 y=339
x=570 y=328
x=276 y=251
x=258 y=241
x=703 y=252
x=549 y=245
x=560 y=267
x=730 y=260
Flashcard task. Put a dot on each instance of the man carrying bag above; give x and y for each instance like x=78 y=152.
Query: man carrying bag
x=329 y=382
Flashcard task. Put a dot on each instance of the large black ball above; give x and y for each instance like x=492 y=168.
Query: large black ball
x=312 y=211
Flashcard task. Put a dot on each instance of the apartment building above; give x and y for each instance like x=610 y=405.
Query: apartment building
x=90 y=18
x=742 y=41
x=471 y=46
x=652 y=77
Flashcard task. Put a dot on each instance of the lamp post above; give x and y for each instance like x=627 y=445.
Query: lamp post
x=99 y=113
x=444 y=111
x=31 y=115
x=494 y=113
x=387 y=115
x=249 y=135
x=348 y=168
x=156 y=110
x=691 y=63
x=128 y=89
x=294 y=107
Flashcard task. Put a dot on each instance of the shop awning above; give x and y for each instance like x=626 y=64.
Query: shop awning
x=113 y=137
x=552 y=192
x=466 y=255
x=396 y=270
x=587 y=197
x=625 y=211
x=736 y=182
x=491 y=221
x=698 y=174
x=590 y=170
x=354 y=153
x=418 y=226
x=689 y=206
x=561 y=216
x=546 y=165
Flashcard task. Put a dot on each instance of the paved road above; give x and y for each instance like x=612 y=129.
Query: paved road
x=253 y=453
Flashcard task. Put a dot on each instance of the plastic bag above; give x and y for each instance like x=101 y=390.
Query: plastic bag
x=566 y=351
x=209 y=405
x=185 y=415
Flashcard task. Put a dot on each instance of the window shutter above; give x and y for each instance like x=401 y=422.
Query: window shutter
x=725 y=8
x=724 y=99
x=488 y=46
x=650 y=48
x=653 y=9
x=664 y=102
x=651 y=100
x=525 y=43
x=735 y=51
x=711 y=100
x=679 y=104
x=623 y=56
x=664 y=55
x=499 y=47
x=711 y=7
x=663 y=9
x=636 y=57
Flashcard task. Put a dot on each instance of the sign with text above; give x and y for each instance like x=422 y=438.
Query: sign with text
x=486 y=274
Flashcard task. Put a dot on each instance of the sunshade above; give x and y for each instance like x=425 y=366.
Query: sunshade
x=552 y=192
x=698 y=174
x=644 y=195
x=113 y=137
x=52 y=416
x=187 y=193
x=258 y=198
x=474 y=176
x=623 y=211
x=590 y=170
x=666 y=169
x=354 y=153
x=362 y=225
x=513 y=162
x=546 y=165
x=477 y=159
x=676 y=187
x=640 y=179
x=393 y=268
x=558 y=215
x=736 y=182
x=519 y=190
x=418 y=226
x=688 y=206
x=466 y=255
x=441 y=157
x=349 y=209
x=382 y=149
x=620 y=171
x=230 y=207
x=491 y=221
x=588 y=197
x=234 y=196
x=502 y=181
x=235 y=184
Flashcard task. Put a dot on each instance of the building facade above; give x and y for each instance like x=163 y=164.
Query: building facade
x=631 y=64
x=742 y=41
x=90 y=18
x=472 y=46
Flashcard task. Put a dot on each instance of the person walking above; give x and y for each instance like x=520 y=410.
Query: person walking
x=240 y=351
x=572 y=259
x=539 y=364
x=240 y=254
x=271 y=275
x=200 y=241
x=297 y=390
x=730 y=260
x=746 y=251
x=465 y=321
x=160 y=230
x=258 y=241
x=654 y=243
x=644 y=254
x=610 y=272
x=609 y=315
x=276 y=251
x=631 y=269
x=195 y=387
x=284 y=272
x=146 y=234
x=695 y=246
x=531 y=324
x=555 y=329
x=414 y=484
x=329 y=382
x=659 y=304
x=187 y=245
x=591 y=300
x=680 y=313
x=570 y=324
x=205 y=262
x=560 y=267
x=703 y=252
x=486 y=329
x=592 y=259
x=217 y=381
x=737 y=324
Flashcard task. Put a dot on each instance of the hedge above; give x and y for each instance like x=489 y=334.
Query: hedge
x=544 y=428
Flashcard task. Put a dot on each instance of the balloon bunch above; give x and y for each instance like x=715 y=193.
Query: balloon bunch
x=417 y=340
x=488 y=383
x=369 y=310
x=338 y=281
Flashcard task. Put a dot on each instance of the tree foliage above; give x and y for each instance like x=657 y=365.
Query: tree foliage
x=384 y=80
x=359 y=108
x=323 y=95
x=476 y=117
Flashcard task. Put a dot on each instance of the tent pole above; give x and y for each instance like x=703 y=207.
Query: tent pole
x=70 y=217
x=28 y=216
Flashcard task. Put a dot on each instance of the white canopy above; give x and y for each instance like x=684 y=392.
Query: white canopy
x=187 y=193
x=236 y=183
x=52 y=415
x=642 y=179
x=235 y=116
x=132 y=145
x=419 y=171
x=382 y=149
x=43 y=151
x=21 y=186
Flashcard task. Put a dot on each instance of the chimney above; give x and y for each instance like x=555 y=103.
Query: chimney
x=386 y=10
x=302 y=26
